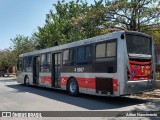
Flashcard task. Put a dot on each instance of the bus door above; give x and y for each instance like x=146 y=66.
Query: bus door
x=56 y=65
x=36 y=62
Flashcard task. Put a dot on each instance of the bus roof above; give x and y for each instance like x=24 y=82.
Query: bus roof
x=104 y=37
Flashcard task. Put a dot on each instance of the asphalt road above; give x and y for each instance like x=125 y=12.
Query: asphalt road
x=16 y=97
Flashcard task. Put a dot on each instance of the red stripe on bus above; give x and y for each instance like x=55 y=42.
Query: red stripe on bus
x=63 y=81
x=46 y=79
x=115 y=85
x=82 y=82
x=87 y=82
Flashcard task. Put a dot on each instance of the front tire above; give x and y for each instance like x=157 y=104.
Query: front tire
x=72 y=87
x=26 y=81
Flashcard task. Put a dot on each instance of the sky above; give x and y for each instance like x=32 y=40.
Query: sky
x=21 y=17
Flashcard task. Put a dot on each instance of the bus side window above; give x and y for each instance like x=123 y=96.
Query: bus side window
x=45 y=62
x=104 y=50
x=100 y=50
x=19 y=64
x=27 y=64
x=68 y=56
x=84 y=55
x=111 y=49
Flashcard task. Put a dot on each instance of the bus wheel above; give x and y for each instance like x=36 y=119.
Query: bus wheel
x=26 y=81
x=72 y=87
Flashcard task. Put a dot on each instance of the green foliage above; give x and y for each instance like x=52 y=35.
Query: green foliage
x=21 y=44
x=6 y=59
x=78 y=20
x=136 y=15
x=155 y=32
x=72 y=21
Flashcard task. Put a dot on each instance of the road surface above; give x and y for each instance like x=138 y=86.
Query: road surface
x=17 y=97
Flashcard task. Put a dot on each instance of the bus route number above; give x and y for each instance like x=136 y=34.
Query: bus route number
x=78 y=69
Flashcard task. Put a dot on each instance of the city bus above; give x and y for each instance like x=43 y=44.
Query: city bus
x=114 y=64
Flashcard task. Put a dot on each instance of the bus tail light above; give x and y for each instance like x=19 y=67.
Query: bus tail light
x=128 y=74
x=115 y=85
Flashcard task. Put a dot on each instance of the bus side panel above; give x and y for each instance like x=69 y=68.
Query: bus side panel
x=20 y=78
x=45 y=79
x=84 y=80
x=101 y=84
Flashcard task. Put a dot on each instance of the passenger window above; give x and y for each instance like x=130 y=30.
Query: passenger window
x=84 y=54
x=88 y=52
x=65 y=56
x=19 y=64
x=45 y=62
x=27 y=66
x=104 y=50
x=111 y=49
x=81 y=53
x=100 y=50
x=68 y=57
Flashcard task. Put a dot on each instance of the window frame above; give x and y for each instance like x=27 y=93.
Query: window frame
x=71 y=59
x=85 y=61
x=20 y=64
x=48 y=69
x=106 y=42
x=25 y=64
x=115 y=49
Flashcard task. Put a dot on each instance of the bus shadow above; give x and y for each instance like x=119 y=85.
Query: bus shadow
x=89 y=102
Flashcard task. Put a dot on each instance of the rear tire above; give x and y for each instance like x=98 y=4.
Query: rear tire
x=26 y=81
x=72 y=87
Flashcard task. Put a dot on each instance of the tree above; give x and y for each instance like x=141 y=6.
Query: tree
x=90 y=22
x=58 y=30
x=72 y=21
x=5 y=59
x=136 y=15
x=21 y=44
x=156 y=35
x=78 y=20
x=155 y=32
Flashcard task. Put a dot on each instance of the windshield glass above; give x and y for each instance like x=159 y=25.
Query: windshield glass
x=138 y=45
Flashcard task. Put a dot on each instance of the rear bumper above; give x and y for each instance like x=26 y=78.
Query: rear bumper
x=139 y=86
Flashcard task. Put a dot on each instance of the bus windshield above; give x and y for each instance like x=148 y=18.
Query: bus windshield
x=138 y=46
